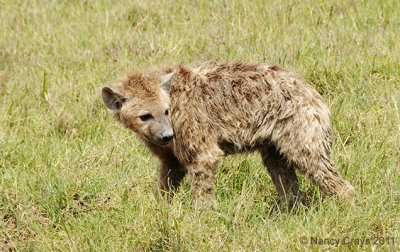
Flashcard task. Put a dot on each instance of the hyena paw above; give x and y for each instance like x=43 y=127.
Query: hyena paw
x=204 y=202
x=291 y=203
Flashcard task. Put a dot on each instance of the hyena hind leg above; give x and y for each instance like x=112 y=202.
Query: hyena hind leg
x=284 y=177
x=170 y=176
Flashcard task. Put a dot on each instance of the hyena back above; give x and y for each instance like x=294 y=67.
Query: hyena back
x=215 y=109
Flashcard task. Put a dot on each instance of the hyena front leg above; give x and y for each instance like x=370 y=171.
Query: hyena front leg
x=283 y=176
x=170 y=175
x=202 y=176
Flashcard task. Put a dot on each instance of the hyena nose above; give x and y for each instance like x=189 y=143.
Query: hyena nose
x=166 y=137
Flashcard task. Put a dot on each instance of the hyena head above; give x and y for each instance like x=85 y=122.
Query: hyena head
x=141 y=102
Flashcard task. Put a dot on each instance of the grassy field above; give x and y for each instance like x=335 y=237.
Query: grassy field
x=71 y=178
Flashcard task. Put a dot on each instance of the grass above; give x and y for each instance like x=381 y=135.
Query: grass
x=71 y=178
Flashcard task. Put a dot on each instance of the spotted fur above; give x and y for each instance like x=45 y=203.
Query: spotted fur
x=218 y=109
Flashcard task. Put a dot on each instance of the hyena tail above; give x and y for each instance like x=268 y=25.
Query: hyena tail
x=321 y=172
x=308 y=149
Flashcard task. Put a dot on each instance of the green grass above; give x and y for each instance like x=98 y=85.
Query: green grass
x=71 y=178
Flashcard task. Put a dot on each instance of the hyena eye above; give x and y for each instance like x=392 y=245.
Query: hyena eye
x=166 y=112
x=146 y=117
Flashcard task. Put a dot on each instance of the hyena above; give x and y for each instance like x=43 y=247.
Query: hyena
x=190 y=115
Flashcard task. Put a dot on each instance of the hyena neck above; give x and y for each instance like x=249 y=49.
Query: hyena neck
x=162 y=152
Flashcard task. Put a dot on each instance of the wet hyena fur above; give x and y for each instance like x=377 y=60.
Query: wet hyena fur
x=190 y=115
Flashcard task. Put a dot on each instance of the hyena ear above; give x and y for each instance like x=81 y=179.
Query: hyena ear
x=112 y=99
x=166 y=81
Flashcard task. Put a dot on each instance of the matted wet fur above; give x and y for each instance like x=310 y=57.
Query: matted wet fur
x=190 y=115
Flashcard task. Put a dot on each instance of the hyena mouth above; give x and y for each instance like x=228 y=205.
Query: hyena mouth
x=165 y=141
x=159 y=141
